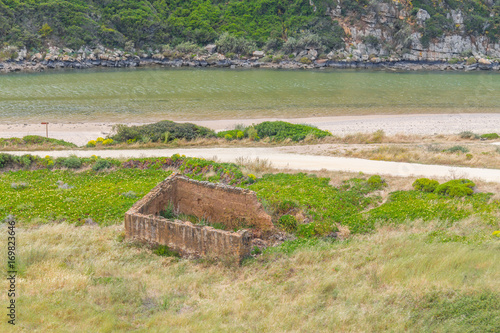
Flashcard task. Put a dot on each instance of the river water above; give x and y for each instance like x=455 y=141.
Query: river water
x=143 y=95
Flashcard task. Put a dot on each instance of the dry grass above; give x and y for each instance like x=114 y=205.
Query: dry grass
x=257 y=166
x=81 y=279
x=479 y=155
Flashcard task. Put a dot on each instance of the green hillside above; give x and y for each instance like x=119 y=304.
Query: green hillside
x=285 y=25
x=112 y=23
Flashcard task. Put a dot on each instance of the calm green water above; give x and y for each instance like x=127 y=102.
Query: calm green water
x=153 y=94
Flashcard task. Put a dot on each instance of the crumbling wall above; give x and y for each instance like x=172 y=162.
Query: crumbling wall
x=231 y=206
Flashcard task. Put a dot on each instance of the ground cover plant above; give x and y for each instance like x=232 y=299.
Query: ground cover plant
x=319 y=207
x=31 y=142
x=357 y=205
x=88 y=194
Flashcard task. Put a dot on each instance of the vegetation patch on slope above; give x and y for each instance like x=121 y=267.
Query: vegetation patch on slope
x=34 y=142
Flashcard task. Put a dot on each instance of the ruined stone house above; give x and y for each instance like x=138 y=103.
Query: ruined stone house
x=228 y=205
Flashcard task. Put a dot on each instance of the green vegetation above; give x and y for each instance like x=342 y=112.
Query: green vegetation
x=236 y=26
x=93 y=195
x=164 y=251
x=349 y=205
x=162 y=131
x=425 y=185
x=276 y=131
x=391 y=280
x=457 y=149
x=288 y=223
x=456 y=188
x=490 y=136
x=476 y=14
x=280 y=130
x=468 y=135
x=316 y=207
x=414 y=261
x=34 y=141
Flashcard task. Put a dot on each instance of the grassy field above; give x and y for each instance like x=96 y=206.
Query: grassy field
x=83 y=279
x=406 y=261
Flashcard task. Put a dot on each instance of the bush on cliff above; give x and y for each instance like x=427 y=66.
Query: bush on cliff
x=157 y=132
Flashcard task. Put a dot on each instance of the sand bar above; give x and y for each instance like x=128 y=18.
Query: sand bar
x=422 y=124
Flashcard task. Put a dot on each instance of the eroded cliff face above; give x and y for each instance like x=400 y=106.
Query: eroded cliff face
x=396 y=30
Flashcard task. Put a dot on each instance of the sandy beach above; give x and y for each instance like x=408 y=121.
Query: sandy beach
x=424 y=124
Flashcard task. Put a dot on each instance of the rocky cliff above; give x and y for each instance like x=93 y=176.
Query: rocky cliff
x=401 y=30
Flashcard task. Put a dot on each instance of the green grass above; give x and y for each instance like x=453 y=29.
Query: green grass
x=84 y=280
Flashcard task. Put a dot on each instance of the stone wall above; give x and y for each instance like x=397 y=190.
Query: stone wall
x=234 y=207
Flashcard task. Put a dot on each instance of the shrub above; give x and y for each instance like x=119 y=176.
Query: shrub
x=288 y=223
x=99 y=140
x=91 y=143
x=471 y=61
x=425 y=185
x=457 y=149
x=156 y=132
x=107 y=142
x=239 y=135
x=376 y=182
x=378 y=136
x=252 y=133
x=305 y=61
x=273 y=44
x=228 y=137
x=490 y=136
x=24 y=161
x=280 y=130
x=468 y=135
x=251 y=178
x=71 y=162
x=188 y=47
x=168 y=212
x=228 y=43
x=101 y=164
x=456 y=188
x=277 y=59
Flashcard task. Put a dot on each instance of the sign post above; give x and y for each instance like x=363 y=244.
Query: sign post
x=46 y=129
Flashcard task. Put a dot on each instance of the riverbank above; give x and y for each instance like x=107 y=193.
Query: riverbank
x=422 y=124
x=66 y=62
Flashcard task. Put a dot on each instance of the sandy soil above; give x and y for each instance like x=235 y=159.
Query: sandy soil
x=280 y=159
x=424 y=124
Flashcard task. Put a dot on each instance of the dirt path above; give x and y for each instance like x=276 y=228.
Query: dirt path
x=281 y=159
